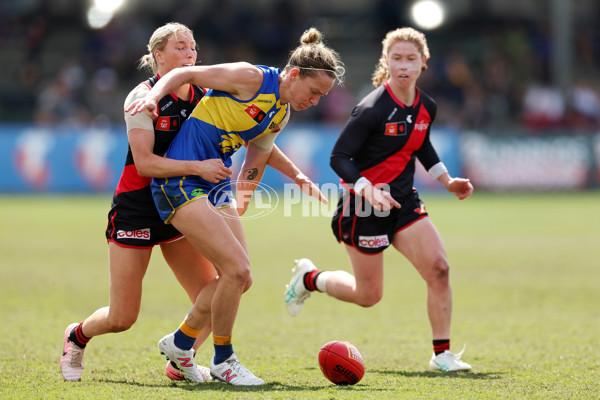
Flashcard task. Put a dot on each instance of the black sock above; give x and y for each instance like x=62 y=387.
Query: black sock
x=78 y=337
x=310 y=280
x=439 y=346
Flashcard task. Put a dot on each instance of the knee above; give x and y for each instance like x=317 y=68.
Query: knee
x=248 y=284
x=440 y=272
x=121 y=323
x=242 y=276
x=369 y=299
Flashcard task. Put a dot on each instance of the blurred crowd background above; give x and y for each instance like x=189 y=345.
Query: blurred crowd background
x=492 y=68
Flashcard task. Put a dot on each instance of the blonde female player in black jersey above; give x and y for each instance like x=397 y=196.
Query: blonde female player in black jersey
x=375 y=157
x=245 y=106
x=134 y=226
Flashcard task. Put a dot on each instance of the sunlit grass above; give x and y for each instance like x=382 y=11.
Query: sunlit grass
x=524 y=273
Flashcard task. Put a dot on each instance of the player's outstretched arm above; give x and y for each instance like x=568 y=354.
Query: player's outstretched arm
x=461 y=187
x=250 y=176
x=240 y=79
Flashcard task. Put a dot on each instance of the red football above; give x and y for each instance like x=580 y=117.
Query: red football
x=341 y=363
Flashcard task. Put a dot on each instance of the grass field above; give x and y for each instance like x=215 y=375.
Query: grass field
x=525 y=275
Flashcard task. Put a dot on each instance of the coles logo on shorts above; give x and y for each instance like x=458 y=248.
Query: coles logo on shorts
x=143 y=234
x=373 y=242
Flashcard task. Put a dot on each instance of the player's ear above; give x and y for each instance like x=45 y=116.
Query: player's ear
x=424 y=67
x=158 y=56
x=295 y=73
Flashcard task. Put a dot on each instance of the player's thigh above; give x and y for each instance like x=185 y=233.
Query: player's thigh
x=234 y=223
x=367 y=269
x=127 y=270
x=192 y=269
x=421 y=244
x=210 y=234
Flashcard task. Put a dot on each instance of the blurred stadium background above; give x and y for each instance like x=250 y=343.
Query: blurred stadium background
x=517 y=83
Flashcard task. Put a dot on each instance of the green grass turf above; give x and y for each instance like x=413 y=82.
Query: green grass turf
x=525 y=276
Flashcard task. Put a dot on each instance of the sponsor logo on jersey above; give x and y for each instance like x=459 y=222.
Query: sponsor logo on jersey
x=143 y=234
x=167 y=123
x=163 y=124
x=392 y=113
x=391 y=129
x=421 y=126
x=373 y=242
x=395 y=129
x=409 y=119
x=256 y=113
x=163 y=108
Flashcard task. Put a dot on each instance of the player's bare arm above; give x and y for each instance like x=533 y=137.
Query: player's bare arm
x=250 y=176
x=241 y=79
x=461 y=187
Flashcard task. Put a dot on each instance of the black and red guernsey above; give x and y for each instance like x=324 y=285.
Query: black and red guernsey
x=383 y=137
x=133 y=196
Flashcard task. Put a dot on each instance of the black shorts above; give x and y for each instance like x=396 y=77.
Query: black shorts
x=138 y=232
x=358 y=225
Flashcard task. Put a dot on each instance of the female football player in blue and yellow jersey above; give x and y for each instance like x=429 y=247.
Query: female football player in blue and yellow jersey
x=246 y=106
x=134 y=225
x=375 y=156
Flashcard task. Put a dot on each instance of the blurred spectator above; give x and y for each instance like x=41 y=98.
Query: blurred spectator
x=105 y=98
x=485 y=73
x=36 y=33
x=474 y=113
x=19 y=100
x=499 y=81
x=543 y=107
x=63 y=101
x=584 y=105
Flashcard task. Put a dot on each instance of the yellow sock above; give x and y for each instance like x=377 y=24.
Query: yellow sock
x=223 y=348
x=221 y=340
x=189 y=331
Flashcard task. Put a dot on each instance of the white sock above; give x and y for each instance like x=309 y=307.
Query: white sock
x=321 y=282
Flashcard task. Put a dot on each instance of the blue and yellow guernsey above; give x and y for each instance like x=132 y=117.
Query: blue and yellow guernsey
x=219 y=125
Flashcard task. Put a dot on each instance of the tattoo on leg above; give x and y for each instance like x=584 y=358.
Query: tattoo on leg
x=251 y=173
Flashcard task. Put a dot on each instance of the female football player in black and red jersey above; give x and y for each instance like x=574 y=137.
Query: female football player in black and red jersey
x=134 y=225
x=375 y=158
